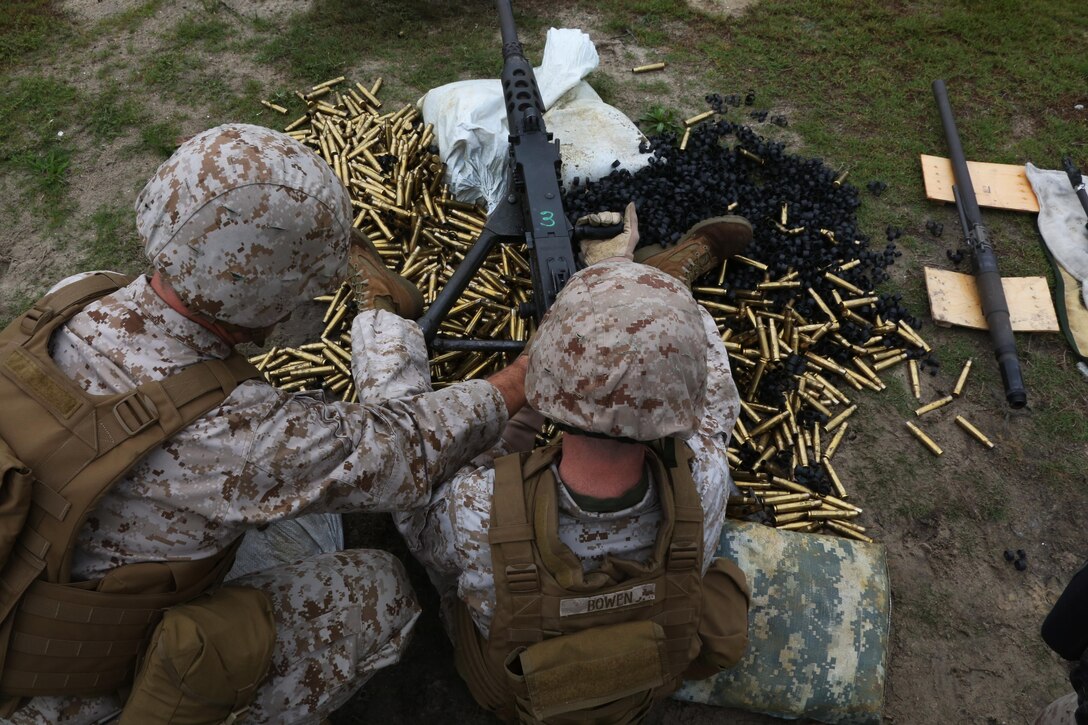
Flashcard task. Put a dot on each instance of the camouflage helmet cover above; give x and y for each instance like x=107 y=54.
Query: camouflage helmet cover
x=245 y=223
x=621 y=353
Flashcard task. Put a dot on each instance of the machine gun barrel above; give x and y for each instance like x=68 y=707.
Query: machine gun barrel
x=532 y=208
x=994 y=306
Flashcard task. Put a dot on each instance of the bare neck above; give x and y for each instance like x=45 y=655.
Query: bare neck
x=230 y=334
x=600 y=467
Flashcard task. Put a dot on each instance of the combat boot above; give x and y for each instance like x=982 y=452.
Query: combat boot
x=701 y=249
x=377 y=286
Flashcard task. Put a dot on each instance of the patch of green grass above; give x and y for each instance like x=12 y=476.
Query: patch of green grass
x=924 y=603
x=115 y=245
x=605 y=84
x=171 y=70
x=128 y=21
x=46 y=171
x=899 y=396
x=29 y=28
x=32 y=109
x=160 y=138
x=428 y=43
x=211 y=34
x=114 y=112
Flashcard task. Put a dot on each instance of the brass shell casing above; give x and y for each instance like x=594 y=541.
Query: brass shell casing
x=975 y=432
x=926 y=440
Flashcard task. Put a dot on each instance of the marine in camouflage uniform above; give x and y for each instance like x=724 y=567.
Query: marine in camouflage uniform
x=450 y=534
x=243 y=224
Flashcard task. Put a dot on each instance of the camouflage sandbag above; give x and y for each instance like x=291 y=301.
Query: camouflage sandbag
x=818 y=628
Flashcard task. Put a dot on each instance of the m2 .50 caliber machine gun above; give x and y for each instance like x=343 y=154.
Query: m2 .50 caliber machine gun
x=532 y=210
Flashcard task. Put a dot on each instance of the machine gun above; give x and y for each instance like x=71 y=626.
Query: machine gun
x=984 y=262
x=532 y=210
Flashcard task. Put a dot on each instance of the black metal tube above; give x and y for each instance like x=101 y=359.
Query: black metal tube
x=444 y=344
x=509 y=29
x=1077 y=180
x=459 y=280
x=987 y=277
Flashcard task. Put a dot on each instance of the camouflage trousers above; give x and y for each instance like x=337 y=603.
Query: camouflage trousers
x=340 y=617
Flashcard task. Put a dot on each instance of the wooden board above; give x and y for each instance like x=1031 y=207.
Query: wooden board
x=1001 y=186
x=953 y=300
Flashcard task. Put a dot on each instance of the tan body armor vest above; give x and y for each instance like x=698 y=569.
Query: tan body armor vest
x=61 y=450
x=572 y=647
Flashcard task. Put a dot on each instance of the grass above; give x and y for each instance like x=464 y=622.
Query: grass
x=29 y=29
x=457 y=42
x=46 y=173
x=114 y=112
x=115 y=245
x=160 y=138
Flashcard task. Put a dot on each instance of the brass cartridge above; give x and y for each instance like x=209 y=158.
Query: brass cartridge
x=962 y=380
x=975 y=432
x=840 y=418
x=926 y=440
x=835 y=441
x=934 y=405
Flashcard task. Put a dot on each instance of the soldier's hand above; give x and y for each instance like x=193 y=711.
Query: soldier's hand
x=621 y=246
x=600 y=219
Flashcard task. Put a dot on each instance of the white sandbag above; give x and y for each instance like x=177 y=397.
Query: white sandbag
x=593 y=135
x=286 y=542
x=470 y=126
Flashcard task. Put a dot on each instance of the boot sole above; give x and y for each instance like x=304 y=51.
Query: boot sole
x=735 y=234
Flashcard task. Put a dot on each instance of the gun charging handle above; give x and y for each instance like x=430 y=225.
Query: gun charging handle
x=588 y=231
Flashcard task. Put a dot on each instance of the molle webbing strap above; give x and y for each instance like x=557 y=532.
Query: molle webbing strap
x=69 y=299
x=683 y=565
x=686 y=549
x=510 y=535
x=75 y=640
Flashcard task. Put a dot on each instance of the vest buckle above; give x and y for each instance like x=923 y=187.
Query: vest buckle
x=522 y=578
x=34 y=318
x=135 y=412
x=682 y=556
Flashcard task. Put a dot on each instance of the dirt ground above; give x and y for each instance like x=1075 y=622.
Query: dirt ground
x=964 y=646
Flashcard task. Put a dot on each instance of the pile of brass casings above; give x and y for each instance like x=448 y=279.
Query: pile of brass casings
x=396 y=181
x=770 y=443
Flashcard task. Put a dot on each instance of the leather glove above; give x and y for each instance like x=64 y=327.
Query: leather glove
x=621 y=246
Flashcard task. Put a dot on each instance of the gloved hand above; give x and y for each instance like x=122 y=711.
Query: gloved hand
x=621 y=246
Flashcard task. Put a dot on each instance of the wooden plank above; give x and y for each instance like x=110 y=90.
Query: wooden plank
x=954 y=300
x=1000 y=186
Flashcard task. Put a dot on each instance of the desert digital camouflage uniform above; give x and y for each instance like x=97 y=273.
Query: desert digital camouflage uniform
x=245 y=223
x=450 y=534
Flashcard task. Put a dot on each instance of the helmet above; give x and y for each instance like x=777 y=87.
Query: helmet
x=621 y=353
x=245 y=223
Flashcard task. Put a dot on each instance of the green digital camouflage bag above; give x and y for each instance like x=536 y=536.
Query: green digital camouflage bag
x=818 y=628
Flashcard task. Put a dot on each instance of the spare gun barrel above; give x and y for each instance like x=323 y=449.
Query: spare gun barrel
x=994 y=306
x=1077 y=180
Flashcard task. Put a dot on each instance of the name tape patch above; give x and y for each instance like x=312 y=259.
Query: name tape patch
x=640 y=594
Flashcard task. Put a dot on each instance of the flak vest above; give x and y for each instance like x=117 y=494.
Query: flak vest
x=61 y=450
x=567 y=646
